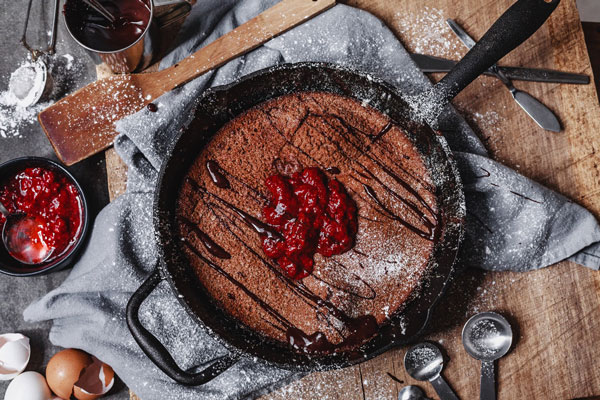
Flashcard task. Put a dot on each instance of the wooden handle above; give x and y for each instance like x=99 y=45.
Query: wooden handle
x=278 y=19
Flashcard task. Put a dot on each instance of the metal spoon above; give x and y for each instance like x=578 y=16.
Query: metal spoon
x=411 y=392
x=21 y=236
x=424 y=362
x=487 y=337
x=100 y=9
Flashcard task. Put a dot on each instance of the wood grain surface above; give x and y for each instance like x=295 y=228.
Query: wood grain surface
x=554 y=311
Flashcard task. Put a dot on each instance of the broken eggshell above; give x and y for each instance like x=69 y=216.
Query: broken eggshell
x=96 y=380
x=14 y=355
x=75 y=372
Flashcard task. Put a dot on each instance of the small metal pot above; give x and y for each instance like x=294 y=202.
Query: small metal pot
x=148 y=48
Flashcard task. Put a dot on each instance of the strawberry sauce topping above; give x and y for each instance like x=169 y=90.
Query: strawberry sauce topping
x=52 y=200
x=313 y=215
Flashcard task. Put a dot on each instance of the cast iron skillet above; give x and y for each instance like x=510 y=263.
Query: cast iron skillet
x=218 y=106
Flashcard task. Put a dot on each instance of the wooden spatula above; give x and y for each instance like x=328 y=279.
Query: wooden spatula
x=83 y=123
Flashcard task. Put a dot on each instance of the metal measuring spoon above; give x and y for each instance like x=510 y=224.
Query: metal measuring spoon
x=21 y=236
x=411 y=392
x=486 y=337
x=424 y=362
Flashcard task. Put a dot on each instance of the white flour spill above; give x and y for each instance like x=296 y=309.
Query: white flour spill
x=13 y=117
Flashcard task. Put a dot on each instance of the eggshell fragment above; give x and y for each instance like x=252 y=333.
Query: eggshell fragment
x=28 y=386
x=97 y=379
x=14 y=355
x=64 y=369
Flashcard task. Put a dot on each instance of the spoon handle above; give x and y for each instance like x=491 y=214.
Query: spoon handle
x=488 y=381
x=443 y=389
x=4 y=211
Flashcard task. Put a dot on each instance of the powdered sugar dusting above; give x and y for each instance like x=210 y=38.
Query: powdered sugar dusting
x=426 y=32
x=14 y=117
x=486 y=337
x=64 y=71
x=426 y=107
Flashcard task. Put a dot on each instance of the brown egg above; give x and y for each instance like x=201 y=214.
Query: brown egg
x=75 y=372
x=64 y=370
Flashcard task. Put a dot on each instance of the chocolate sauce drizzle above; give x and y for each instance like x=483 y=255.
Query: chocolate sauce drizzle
x=214 y=170
x=356 y=331
x=371 y=193
x=209 y=244
x=260 y=227
x=372 y=294
x=351 y=134
x=517 y=194
x=394 y=378
x=382 y=132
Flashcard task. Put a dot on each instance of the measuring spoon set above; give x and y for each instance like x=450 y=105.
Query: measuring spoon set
x=486 y=337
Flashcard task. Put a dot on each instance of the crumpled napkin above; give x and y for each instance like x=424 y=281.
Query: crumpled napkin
x=513 y=223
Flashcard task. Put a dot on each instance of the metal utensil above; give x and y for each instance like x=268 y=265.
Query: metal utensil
x=38 y=73
x=411 y=392
x=424 y=362
x=100 y=9
x=487 y=337
x=35 y=53
x=541 y=114
x=427 y=64
x=20 y=236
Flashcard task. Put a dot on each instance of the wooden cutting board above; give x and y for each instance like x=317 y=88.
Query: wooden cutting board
x=555 y=312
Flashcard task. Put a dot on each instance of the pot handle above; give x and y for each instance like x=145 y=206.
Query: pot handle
x=513 y=27
x=157 y=352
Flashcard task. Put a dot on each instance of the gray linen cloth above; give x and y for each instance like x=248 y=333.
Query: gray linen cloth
x=513 y=223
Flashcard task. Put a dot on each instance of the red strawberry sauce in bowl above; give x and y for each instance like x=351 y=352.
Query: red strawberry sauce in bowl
x=47 y=192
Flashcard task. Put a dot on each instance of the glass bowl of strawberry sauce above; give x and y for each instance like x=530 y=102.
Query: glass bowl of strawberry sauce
x=47 y=192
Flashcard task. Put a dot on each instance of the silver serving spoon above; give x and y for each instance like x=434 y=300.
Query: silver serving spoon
x=424 y=362
x=21 y=236
x=411 y=392
x=487 y=336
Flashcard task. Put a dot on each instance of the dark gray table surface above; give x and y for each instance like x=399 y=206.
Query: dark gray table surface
x=17 y=293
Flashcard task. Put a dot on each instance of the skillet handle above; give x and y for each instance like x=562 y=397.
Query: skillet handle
x=157 y=352
x=513 y=27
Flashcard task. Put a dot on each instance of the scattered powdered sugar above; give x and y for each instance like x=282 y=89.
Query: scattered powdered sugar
x=426 y=32
x=488 y=120
x=13 y=117
x=426 y=107
x=70 y=60
x=64 y=71
x=24 y=80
